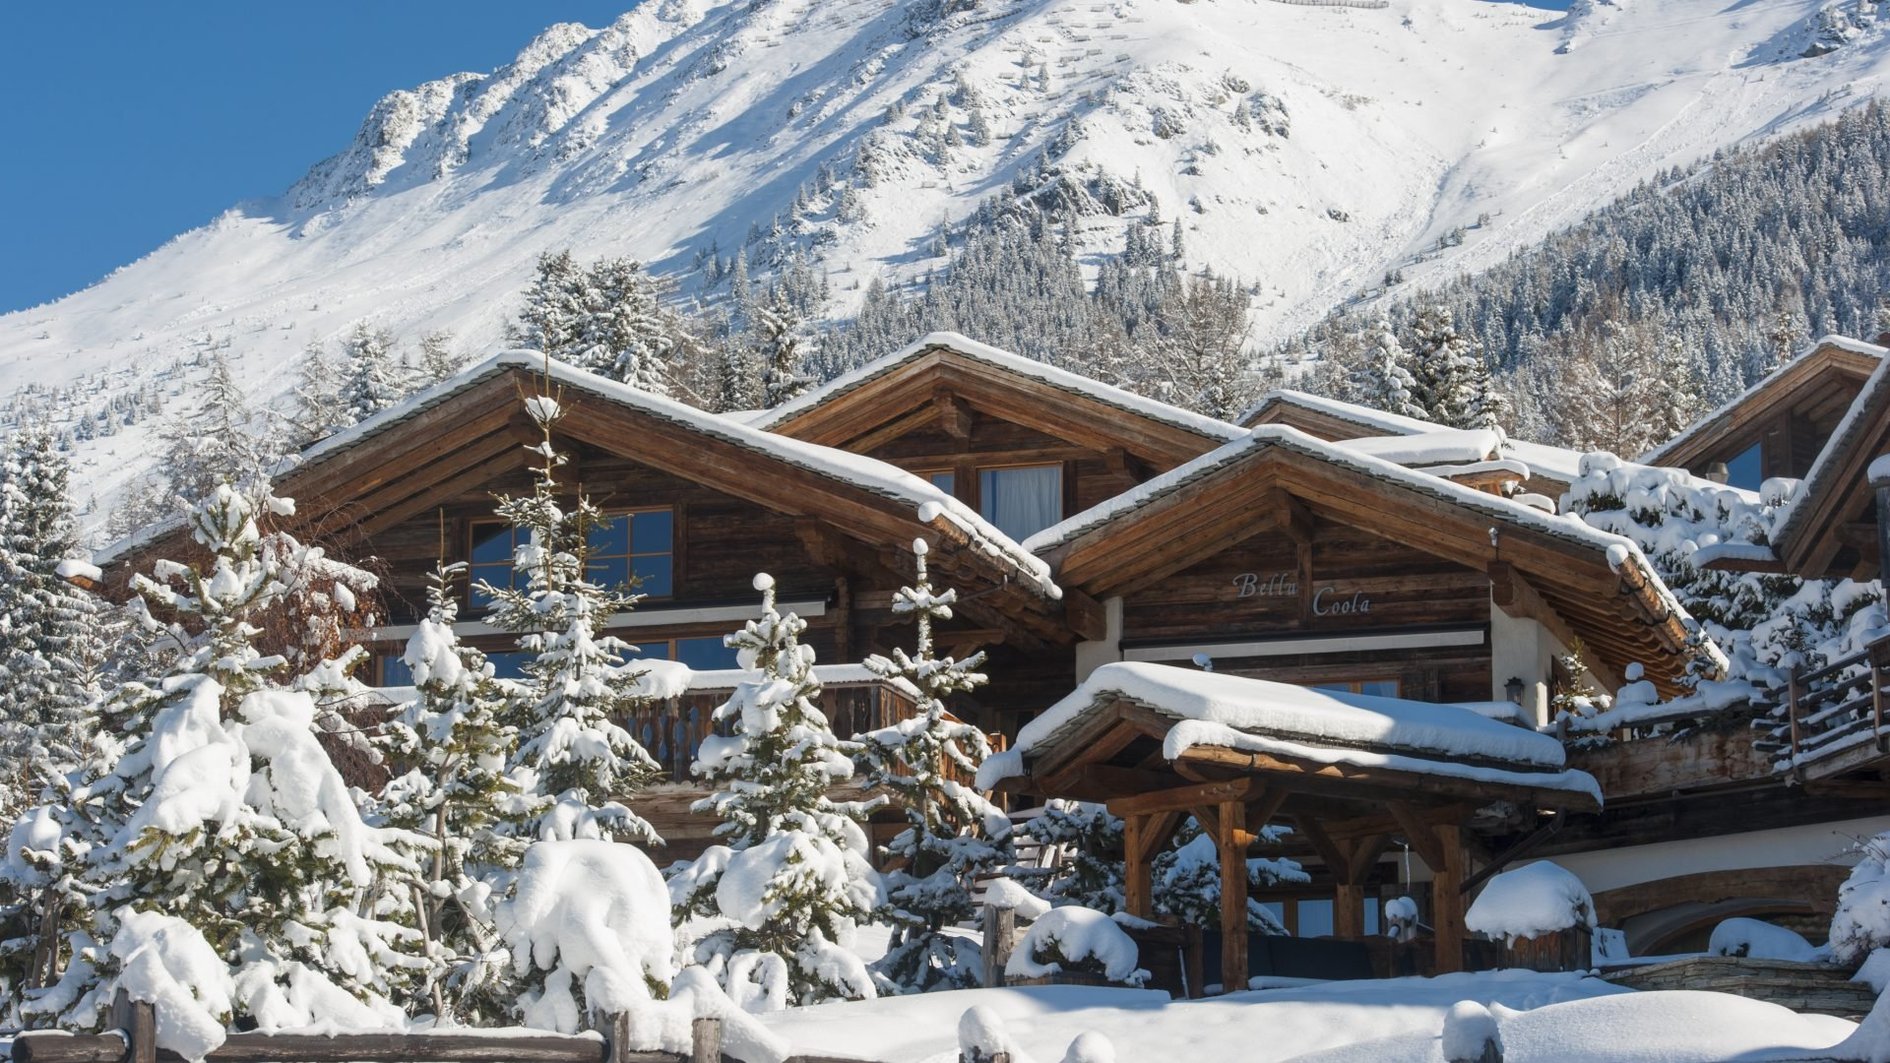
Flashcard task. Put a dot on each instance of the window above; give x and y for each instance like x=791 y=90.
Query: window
x=638 y=543
x=1747 y=469
x=493 y=544
x=393 y=670
x=1021 y=500
x=1378 y=688
x=705 y=654
x=944 y=481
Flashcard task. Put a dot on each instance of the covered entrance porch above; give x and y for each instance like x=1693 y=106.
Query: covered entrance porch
x=1352 y=774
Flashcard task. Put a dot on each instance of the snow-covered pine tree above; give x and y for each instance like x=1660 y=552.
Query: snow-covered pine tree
x=222 y=438
x=739 y=380
x=784 y=344
x=794 y=879
x=626 y=334
x=575 y=757
x=1090 y=839
x=51 y=644
x=1187 y=880
x=317 y=395
x=1384 y=381
x=555 y=308
x=455 y=794
x=372 y=379
x=953 y=833
x=438 y=360
x=1451 y=382
x=210 y=799
x=1195 y=354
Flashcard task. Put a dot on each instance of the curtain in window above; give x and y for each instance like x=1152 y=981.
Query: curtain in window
x=1022 y=501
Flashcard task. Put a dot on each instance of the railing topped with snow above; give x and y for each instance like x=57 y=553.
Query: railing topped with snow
x=673 y=728
x=1837 y=708
x=136 y=1042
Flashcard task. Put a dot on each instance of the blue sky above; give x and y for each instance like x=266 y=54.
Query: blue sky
x=124 y=124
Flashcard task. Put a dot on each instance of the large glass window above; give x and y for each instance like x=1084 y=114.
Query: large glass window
x=1747 y=469
x=493 y=543
x=945 y=481
x=1021 y=500
x=640 y=544
x=705 y=654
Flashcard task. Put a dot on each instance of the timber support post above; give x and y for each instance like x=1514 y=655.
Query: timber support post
x=1230 y=839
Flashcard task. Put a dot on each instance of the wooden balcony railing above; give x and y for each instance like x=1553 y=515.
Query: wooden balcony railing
x=673 y=729
x=1831 y=709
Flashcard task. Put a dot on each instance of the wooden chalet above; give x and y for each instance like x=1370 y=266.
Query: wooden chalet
x=1778 y=426
x=1092 y=533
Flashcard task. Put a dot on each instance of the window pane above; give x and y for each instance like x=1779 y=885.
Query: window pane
x=944 y=481
x=1021 y=501
x=611 y=536
x=1746 y=470
x=491 y=542
x=394 y=671
x=608 y=571
x=653 y=575
x=1315 y=918
x=509 y=664
x=1371 y=915
x=706 y=654
x=651 y=532
x=1379 y=688
x=658 y=650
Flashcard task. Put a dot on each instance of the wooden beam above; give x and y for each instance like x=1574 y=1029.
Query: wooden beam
x=1372 y=784
x=1230 y=841
x=1417 y=831
x=954 y=417
x=1183 y=797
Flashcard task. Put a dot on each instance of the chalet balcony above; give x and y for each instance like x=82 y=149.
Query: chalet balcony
x=1830 y=730
x=853 y=699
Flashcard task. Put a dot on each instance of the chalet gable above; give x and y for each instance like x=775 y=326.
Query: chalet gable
x=1329 y=419
x=1778 y=426
x=944 y=378
x=1828 y=530
x=1578 y=582
x=465 y=434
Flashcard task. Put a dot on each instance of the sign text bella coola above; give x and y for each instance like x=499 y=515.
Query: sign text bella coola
x=1326 y=601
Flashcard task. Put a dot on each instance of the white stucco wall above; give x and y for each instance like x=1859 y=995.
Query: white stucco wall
x=1092 y=655
x=1524 y=649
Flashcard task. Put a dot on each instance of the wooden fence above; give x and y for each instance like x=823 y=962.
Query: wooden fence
x=136 y=1042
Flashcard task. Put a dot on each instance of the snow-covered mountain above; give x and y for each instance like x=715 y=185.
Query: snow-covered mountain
x=1310 y=145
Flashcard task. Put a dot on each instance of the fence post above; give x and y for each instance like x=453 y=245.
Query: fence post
x=617 y=1039
x=144 y=1032
x=1000 y=937
x=705 y=1045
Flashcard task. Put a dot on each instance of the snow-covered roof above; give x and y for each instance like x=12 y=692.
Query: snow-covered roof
x=1621 y=554
x=1366 y=417
x=927 y=502
x=1791 y=518
x=1659 y=455
x=1289 y=438
x=1062 y=379
x=1444 y=446
x=1212 y=708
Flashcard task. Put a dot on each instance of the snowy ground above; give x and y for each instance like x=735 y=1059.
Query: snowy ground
x=1565 y=1018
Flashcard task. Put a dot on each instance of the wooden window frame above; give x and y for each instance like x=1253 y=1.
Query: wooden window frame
x=674 y=554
